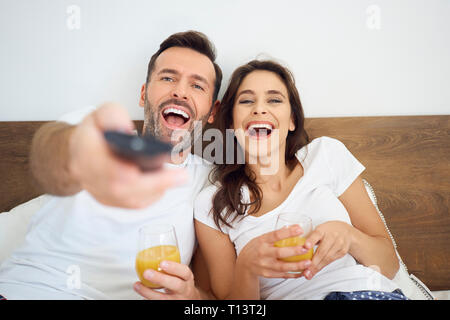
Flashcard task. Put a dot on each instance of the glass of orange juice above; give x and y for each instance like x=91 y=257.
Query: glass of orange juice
x=289 y=218
x=156 y=243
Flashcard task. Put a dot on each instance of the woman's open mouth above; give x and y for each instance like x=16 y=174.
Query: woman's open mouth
x=259 y=130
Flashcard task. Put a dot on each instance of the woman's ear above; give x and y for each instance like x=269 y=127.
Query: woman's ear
x=292 y=124
x=143 y=93
x=215 y=108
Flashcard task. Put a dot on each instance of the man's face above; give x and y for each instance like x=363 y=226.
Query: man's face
x=179 y=92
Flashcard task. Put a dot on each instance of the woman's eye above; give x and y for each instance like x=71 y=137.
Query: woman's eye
x=275 y=101
x=246 y=101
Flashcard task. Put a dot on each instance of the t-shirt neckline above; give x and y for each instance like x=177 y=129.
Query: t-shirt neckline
x=246 y=192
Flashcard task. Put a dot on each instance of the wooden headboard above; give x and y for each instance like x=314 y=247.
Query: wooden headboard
x=407 y=163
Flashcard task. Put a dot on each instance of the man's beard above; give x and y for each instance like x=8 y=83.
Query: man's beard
x=181 y=139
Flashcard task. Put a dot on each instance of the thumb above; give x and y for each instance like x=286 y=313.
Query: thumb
x=112 y=116
x=283 y=233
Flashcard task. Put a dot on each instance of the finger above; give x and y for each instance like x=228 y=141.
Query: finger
x=112 y=116
x=148 y=293
x=283 y=233
x=171 y=283
x=179 y=270
x=157 y=182
x=285 y=252
x=313 y=239
x=282 y=266
x=279 y=274
x=163 y=179
x=320 y=258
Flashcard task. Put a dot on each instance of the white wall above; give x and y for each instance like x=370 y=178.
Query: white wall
x=350 y=57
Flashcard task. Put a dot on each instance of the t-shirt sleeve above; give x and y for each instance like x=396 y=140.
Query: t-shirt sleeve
x=203 y=205
x=344 y=167
x=76 y=117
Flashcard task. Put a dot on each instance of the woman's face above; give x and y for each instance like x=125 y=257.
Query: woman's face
x=262 y=114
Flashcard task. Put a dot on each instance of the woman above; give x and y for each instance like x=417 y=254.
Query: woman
x=284 y=171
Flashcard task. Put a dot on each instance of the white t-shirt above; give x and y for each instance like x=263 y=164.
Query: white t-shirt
x=329 y=169
x=77 y=248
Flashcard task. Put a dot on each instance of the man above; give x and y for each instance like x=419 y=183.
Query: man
x=84 y=245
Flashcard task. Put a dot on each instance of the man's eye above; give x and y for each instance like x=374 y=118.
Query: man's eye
x=166 y=79
x=196 y=86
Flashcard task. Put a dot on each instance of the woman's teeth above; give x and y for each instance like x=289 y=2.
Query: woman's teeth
x=260 y=129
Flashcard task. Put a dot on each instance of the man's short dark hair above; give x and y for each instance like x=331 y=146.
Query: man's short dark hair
x=193 y=40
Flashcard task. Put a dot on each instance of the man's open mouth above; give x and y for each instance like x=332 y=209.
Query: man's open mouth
x=259 y=130
x=175 y=116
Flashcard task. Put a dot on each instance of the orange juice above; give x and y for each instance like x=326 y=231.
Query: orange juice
x=151 y=258
x=291 y=242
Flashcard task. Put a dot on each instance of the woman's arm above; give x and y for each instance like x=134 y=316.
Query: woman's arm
x=220 y=257
x=234 y=277
x=366 y=239
x=371 y=244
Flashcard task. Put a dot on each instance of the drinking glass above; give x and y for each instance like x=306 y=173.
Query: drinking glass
x=289 y=218
x=156 y=243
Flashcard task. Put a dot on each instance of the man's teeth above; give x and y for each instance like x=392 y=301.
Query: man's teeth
x=176 y=111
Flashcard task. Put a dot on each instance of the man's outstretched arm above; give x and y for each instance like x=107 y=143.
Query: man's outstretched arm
x=49 y=159
x=66 y=159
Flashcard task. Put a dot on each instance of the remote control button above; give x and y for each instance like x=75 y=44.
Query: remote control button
x=137 y=144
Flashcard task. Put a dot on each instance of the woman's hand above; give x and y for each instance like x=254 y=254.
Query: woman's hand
x=333 y=239
x=261 y=258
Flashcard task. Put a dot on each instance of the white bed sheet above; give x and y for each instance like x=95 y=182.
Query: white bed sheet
x=14 y=225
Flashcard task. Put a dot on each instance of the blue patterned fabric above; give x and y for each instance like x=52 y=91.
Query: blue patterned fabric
x=366 y=295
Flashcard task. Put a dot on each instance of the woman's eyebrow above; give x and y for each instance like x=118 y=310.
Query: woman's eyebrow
x=248 y=91
x=275 y=92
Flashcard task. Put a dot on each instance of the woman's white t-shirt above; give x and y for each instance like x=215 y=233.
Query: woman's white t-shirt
x=329 y=169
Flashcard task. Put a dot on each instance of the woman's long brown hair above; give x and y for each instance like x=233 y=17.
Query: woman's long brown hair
x=231 y=177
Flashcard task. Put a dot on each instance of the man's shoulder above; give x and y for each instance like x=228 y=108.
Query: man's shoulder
x=196 y=162
x=76 y=116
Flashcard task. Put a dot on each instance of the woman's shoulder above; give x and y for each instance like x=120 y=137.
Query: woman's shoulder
x=319 y=145
x=325 y=141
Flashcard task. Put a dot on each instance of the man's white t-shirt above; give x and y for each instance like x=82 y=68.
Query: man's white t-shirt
x=78 y=248
x=329 y=169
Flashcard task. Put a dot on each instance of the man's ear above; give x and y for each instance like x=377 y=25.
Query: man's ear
x=215 y=108
x=143 y=93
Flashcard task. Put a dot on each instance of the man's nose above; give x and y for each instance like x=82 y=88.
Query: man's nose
x=179 y=91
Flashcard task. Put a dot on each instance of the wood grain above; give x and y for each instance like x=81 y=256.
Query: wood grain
x=406 y=160
x=407 y=163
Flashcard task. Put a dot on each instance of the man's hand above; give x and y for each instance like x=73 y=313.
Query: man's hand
x=177 y=280
x=66 y=160
x=111 y=180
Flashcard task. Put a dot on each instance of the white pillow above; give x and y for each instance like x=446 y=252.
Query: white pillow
x=410 y=285
x=14 y=224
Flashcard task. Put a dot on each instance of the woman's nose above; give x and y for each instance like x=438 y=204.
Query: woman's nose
x=259 y=109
